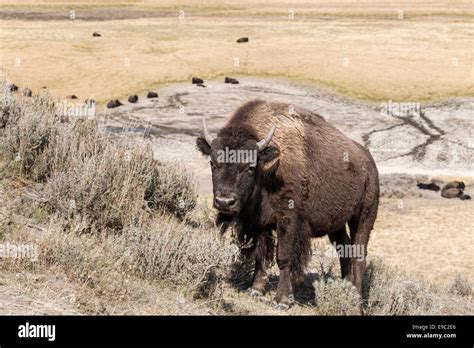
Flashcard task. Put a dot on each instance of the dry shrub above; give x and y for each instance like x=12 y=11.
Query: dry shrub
x=106 y=189
x=167 y=250
x=173 y=251
x=88 y=173
x=386 y=292
x=460 y=286
x=26 y=129
x=336 y=297
x=111 y=188
x=170 y=188
x=391 y=293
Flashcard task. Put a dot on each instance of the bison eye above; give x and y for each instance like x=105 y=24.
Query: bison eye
x=212 y=164
x=251 y=169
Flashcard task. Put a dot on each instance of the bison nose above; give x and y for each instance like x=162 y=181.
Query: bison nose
x=224 y=203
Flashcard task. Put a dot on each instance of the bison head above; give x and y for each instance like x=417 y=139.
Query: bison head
x=239 y=162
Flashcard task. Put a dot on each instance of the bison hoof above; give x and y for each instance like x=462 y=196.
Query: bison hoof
x=254 y=293
x=281 y=306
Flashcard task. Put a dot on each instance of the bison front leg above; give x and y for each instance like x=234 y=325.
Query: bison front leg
x=287 y=260
x=260 y=278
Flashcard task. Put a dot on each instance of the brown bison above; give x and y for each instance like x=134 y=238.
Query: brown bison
x=452 y=192
x=454 y=189
x=133 y=98
x=152 y=94
x=454 y=184
x=298 y=175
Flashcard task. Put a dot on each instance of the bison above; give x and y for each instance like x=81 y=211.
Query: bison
x=231 y=80
x=431 y=186
x=152 y=94
x=197 y=80
x=114 y=103
x=455 y=189
x=242 y=40
x=455 y=184
x=133 y=98
x=296 y=174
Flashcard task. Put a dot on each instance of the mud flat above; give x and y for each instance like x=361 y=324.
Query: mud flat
x=439 y=141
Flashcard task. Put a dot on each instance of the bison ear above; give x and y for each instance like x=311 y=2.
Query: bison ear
x=269 y=157
x=203 y=146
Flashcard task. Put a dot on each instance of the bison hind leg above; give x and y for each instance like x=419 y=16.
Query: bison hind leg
x=301 y=255
x=360 y=228
x=341 y=240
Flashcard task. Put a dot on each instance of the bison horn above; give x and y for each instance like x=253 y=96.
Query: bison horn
x=209 y=138
x=262 y=144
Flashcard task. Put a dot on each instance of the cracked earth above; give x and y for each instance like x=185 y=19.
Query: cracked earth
x=437 y=141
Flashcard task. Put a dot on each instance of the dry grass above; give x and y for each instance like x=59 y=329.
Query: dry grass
x=345 y=7
x=167 y=252
x=361 y=50
x=429 y=236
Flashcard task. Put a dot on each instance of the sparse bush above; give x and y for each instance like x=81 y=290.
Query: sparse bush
x=336 y=297
x=88 y=173
x=170 y=188
x=27 y=128
x=167 y=250
x=106 y=189
x=460 y=286
x=389 y=293
x=172 y=251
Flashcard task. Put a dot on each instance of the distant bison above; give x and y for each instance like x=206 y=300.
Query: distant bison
x=152 y=95
x=197 y=80
x=455 y=189
x=231 y=80
x=430 y=186
x=275 y=167
x=455 y=184
x=96 y=34
x=133 y=98
x=451 y=193
x=114 y=103
x=242 y=39
x=13 y=87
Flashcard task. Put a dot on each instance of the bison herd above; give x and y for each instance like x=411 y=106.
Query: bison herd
x=114 y=103
x=453 y=189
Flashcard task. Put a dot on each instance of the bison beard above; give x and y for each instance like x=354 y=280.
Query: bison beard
x=309 y=181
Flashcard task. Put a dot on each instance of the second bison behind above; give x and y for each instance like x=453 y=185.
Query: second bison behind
x=308 y=180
